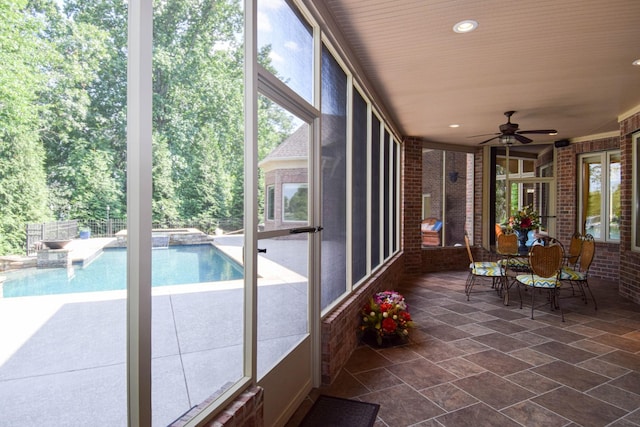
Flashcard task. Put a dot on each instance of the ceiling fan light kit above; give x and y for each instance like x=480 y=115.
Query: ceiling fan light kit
x=507 y=139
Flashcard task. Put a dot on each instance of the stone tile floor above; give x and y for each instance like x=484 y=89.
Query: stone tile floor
x=480 y=363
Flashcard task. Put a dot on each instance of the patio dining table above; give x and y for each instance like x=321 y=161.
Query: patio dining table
x=515 y=263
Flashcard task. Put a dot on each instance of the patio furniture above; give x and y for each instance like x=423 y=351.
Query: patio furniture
x=578 y=275
x=507 y=248
x=430 y=229
x=545 y=262
x=480 y=269
x=575 y=246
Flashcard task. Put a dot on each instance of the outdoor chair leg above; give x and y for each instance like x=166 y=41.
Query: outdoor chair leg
x=585 y=284
x=532 y=298
x=469 y=285
x=556 y=291
x=584 y=295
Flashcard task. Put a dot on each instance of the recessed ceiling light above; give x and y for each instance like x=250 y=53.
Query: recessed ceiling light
x=465 y=26
x=636 y=62
x=454 y=125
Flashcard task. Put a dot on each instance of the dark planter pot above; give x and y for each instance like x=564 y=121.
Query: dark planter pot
x=370 y=338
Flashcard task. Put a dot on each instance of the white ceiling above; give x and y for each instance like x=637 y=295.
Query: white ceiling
x=561 y=64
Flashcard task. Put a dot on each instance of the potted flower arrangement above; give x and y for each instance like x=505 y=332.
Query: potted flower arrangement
x=386 y=315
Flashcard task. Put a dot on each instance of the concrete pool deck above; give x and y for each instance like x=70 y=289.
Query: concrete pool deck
x=62 y=358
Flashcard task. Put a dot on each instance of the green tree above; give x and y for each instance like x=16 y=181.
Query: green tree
x=85 y=118
x=23 y=192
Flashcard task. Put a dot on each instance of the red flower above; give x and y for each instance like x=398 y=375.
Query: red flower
x=389 y=325
x=384 y=307
x=405 y=316
x=525 y=222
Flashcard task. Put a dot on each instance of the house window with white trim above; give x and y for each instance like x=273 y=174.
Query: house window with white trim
x=599 y=195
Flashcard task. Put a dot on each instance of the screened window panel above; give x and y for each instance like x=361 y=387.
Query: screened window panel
x=386 y=193
x=285 y=44
x=394 y=193
x=457 y=193
x=375 y=192
x=452 y=172
x=334 y=168
x=359 y=188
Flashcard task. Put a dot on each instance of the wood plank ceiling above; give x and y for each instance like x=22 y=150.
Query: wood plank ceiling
x=563 y=64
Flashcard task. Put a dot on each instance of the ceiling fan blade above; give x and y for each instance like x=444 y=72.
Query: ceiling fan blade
x=522 y=139
x=484 y=134
x=539 y=131
x=490 y=139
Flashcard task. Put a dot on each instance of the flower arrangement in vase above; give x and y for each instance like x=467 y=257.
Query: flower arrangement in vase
x=525 y=219
x=386 y=315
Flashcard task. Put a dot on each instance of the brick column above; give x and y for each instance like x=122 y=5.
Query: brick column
x=412 y=204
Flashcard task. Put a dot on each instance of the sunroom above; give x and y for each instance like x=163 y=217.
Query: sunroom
x=386 y=116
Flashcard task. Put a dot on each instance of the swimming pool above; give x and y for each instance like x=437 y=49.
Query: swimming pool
x=176 y=265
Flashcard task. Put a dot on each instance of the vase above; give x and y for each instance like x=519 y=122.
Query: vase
x=522 y=238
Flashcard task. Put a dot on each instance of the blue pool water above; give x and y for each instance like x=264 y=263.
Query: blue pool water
x=176 y=265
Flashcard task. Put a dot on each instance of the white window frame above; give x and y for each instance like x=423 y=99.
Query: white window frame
x=605 y=161
x=270 y=209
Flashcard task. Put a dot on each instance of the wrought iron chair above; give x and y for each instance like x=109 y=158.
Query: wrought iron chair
x=478 y=269
x=507 y=245
x=545 y=262
x=575 y=246
x=507 y=248
x=578 y=275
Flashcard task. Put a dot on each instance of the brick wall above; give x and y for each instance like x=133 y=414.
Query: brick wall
x=412 y=205
x=629 y=272
x=245 y=411
x=444 y=259
x=476 y=233
x=340 y=327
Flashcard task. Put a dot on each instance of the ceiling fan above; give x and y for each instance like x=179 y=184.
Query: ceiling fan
x=509 y=132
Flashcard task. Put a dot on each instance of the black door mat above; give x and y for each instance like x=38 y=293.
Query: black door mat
x=329 y=411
